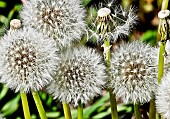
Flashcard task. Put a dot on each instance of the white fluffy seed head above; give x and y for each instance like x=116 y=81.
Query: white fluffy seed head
x=26 y=63
x=56 y=18
x=138 y=81
x=80 y=76
x=112 y=23
x=163 y=97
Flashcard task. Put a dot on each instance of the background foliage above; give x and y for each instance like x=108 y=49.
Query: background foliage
x=99 y=108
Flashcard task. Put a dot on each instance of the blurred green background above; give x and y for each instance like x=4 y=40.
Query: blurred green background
x=146 y=30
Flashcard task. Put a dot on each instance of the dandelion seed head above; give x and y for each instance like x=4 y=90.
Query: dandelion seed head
x=163 y=97
x=80 y=76
x=134 y=72
x=26 y=64
x=58 y=19
x=112 y=23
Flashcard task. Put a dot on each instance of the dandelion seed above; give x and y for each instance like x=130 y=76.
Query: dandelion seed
x=27 y=61
x=134 y=72
x=59 y=19
x=80 y=76
x=163 y=97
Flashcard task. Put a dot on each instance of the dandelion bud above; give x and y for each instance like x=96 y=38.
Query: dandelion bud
x=138 y=81
x=26 y=64
x=15 y=24
x=80 y=76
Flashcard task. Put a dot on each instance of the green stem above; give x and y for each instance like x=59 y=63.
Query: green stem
x=162 y=44
x=161 y=61
x=107 y=53
x=162 y=47
x=39 y=105
x=25 y=105
x=67 y=112
x=164 y=4
x=113 y=104
x=80 y=111
x=137 y=111
x=152 y=109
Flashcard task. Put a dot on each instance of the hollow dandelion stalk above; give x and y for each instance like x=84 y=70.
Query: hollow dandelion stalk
x=39 y=105
x=25 y=105
x=67 y=112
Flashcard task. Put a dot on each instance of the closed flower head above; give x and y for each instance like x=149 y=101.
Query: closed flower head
x=163 y=97
x=28 y=60
x=59 y=19
x=113 y=23
x=80 y=76
x=134 y=75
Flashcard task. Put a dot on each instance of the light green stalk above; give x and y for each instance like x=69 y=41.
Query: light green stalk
x=25 y=105
x=39 y=105
x=80 y=111
x=165 y=4
x=113 y=103
x=67 y=112
x=137 y=111
x=161 y=60
x=162 y=44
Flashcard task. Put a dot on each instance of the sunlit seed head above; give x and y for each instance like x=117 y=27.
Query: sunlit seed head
x=56 y=18
x=26 y=64
x=134 y=81
x=80 y=76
